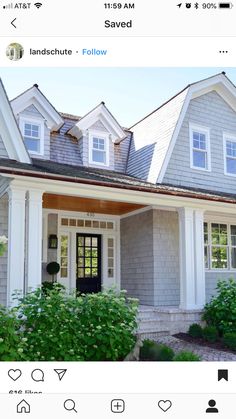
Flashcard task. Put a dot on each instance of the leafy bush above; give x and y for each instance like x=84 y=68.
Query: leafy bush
x=151 y=351
x=229 y=339
x=210 y=333
x=48 y=286
x=195 y=330
x=10 y=336
x=221 y=311
x=92 y=327
x=186 y=356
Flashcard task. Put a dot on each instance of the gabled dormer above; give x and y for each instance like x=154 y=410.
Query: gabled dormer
x=36 y=118
x=97 y=133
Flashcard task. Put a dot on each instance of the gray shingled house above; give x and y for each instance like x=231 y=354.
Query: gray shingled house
x=149 y=209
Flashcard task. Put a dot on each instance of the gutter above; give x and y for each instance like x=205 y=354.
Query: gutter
x=185 y=194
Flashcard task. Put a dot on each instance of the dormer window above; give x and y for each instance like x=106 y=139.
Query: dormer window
x=33 y=135
x=98 y=149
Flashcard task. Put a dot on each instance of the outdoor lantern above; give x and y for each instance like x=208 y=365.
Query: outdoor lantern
x=52 y=241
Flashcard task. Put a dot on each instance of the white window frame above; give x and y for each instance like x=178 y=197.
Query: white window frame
x=103 y=136
x=206 y=132
x=232 y=138
x=33 y=121
x=229 y=246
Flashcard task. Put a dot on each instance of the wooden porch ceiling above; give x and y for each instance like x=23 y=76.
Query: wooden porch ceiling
x=71 y=203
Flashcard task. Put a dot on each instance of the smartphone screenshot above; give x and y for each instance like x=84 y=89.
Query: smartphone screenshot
x=117 y=209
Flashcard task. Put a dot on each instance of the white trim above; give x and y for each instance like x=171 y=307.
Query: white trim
x=103 y=136
x=205 y=131
x=100 y=113
x=136 y=212
x=70 y=282
x=232 y=138
x=16 y=242
x=34 y=239
x=10 y=132
x=34 y=97
x=33 y=121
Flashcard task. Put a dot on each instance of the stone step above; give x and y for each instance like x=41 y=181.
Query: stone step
x=152 y=324
x=153 y=335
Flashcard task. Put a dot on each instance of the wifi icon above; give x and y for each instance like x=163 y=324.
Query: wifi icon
x=38 y=5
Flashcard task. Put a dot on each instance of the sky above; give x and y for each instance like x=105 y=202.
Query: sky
x=129 y=93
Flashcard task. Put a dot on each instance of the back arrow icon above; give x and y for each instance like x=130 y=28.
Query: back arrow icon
x=12 y=22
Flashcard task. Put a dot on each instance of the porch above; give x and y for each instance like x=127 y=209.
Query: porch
x=151 y=245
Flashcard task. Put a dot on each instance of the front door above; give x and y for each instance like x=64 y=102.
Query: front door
x=88 y=263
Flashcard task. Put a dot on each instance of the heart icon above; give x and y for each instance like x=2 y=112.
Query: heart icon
x=14 y=374
x=164 y=405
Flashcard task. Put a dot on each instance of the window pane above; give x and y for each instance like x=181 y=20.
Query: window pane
x=233 y=235
x=231 y=148
x=199 y=159
x=206 y=257
x=231 y=165
x=64 y=273
x=233 y=258
x=99 y=156
x=32 y=145
x=205 y=233
x=199 y=141
x=219 y=258
x=219 y=234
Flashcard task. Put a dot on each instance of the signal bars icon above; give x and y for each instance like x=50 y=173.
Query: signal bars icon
x=8 y=6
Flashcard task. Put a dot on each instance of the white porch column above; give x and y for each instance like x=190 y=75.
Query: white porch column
x=16 y=241
x=192 y=273
x=34 y=238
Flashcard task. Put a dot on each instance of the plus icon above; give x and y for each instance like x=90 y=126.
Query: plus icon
x=117 y=406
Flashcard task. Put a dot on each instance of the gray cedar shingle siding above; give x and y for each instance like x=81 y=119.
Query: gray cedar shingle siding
x=209 y=110
x=150 y=257
x=137 y=257
x=3 y=151
x=166 y=258
x=121 y=154
x=64 y=148
x=3 y=259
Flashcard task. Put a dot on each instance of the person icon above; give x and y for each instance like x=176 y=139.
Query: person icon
x=212 y=408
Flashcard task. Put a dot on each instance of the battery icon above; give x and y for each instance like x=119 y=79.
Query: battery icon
x=225 y=5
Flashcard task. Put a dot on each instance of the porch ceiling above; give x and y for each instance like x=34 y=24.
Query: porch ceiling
x=71 y=203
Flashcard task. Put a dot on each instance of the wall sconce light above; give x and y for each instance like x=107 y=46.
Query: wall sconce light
x=52 y=241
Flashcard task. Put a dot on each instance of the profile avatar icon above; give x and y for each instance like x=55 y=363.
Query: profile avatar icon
x=212 y=408
x=14 y=51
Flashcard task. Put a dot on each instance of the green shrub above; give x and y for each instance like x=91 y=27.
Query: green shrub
x=195 y=330
x=210 y=333
x=151 y=351
x=92 y=327
x=10 y=336
x=221 y=311
x=186 y=356
x=49 y=286
x=229 y=339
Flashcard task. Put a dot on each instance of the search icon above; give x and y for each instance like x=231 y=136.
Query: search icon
x=69 y=405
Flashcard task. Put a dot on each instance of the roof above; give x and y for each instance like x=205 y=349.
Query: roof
x=162 y=126
x=63 y=172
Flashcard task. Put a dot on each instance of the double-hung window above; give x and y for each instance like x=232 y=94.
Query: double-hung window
x=230 y=155
x=99 y=150
x=200 y=148
x=220 y=246
x=33 y=133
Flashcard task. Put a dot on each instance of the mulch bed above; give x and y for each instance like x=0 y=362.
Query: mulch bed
x=202 y=342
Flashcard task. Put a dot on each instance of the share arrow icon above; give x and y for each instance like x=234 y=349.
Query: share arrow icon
x=60 y=373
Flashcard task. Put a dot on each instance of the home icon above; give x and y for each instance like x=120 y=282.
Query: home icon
x=23 y=407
